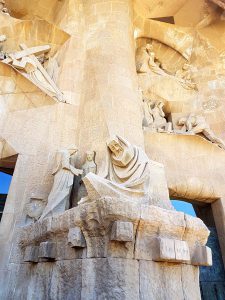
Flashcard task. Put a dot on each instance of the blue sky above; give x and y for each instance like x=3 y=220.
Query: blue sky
x=4 y=183
x=184 y=206
x=179 y=205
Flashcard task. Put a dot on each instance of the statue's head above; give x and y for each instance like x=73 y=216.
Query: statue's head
x=114 y=146
x=90 y=155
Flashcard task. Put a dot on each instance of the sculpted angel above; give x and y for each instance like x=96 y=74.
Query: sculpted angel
x=64 y=172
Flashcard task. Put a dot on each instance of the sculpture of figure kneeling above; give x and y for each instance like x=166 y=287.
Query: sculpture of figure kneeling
x=58 y=199
x=126 y=175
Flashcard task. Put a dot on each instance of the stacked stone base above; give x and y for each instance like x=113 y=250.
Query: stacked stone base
x=110 y=249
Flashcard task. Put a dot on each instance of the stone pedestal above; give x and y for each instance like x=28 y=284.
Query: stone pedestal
x=110 y=249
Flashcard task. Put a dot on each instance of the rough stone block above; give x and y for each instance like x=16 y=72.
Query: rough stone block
x=31 y=254
x=110 y=278
x=182 y=252
x=159 y=280
x=164 y=250
x=122 y=231
x=47 y=251
x=202 y=256
x=66 y=282
x=76 y=238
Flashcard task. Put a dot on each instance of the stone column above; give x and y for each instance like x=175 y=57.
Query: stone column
x=111 y=102
x=218 y=208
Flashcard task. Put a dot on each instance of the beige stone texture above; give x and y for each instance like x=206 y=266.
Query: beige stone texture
x=92 y=62
x=107 y=269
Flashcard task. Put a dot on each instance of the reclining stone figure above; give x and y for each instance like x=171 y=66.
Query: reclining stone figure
x=195 y=124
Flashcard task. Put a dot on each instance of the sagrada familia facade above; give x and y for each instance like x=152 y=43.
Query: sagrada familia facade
x=109 y=110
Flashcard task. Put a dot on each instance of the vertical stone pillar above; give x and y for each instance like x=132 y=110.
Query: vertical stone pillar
x=218 y=208
x=111 y=102
x=71 y=56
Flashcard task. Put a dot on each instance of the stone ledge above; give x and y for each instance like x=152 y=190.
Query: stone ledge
x=112 y=227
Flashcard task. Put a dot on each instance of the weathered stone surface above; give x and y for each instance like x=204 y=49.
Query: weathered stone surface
x=164 y=250
x=190 y=282
x=31 y=254
x=157 y=281
x=76 y=238
x=201 y=256
x=122 y=231
x=47 y=250
x=182 y=252
x=110 y=278
x=66 y=281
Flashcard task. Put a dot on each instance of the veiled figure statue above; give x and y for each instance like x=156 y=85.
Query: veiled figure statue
x=127 y=173
x=64 y=172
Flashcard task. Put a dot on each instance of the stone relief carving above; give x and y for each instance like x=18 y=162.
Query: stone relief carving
x=184 y=76
x=89 y=165
x=195 y=124
x=154 y=116
x=3 y=38
x=3 y=7
x=211 y=104
x=147 y=62
x=29 y=62
x=53 y=68
x=64 y=172
x=35 y=207
x=126 y=173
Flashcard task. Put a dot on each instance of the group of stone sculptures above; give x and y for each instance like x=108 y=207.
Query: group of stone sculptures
x=154 y=116
x=64 y=173
x=154 y=120
x=146 y=62
x=126 y=176
x=126 y=173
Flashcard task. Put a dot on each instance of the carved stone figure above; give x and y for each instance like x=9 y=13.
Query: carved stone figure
x=64 y=172
x=53 y=69
x=184 y=76
x=35 y=208
x=195 y=124
x=160 y=121
x=89 y=165
x=3 y=38
x=126 y=174
x=154 y=117
x=147 y=62
x=148 y=114
x=30 y=67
